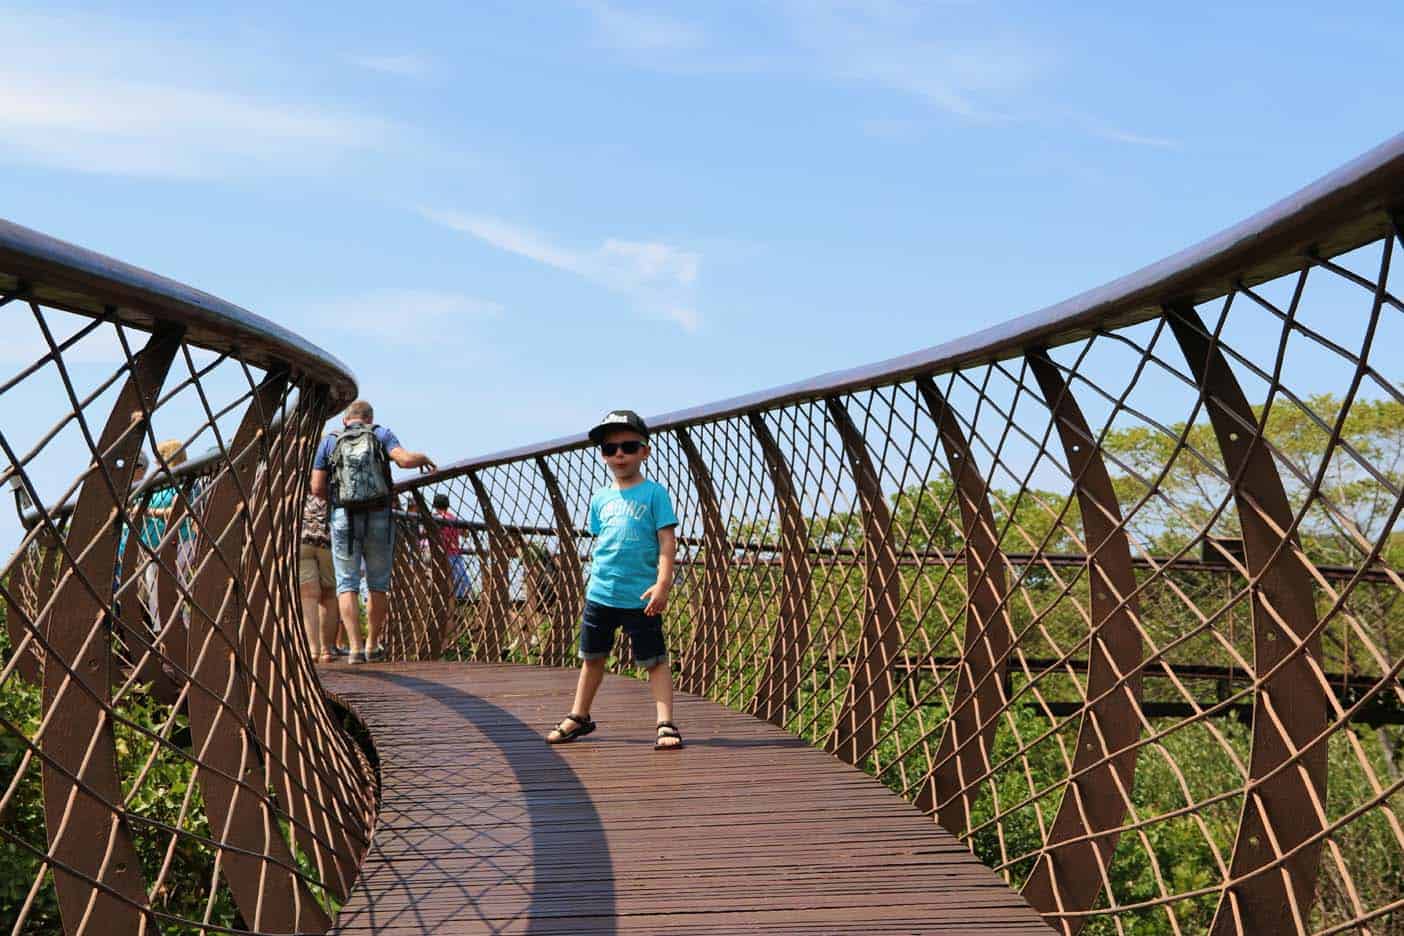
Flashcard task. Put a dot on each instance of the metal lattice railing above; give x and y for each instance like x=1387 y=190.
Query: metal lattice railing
x=1111 y=591
x=167 y=760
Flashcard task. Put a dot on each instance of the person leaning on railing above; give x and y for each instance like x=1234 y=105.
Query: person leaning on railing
x=352 y=470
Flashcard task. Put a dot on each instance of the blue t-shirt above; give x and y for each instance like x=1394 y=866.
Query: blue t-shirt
x=625 y=524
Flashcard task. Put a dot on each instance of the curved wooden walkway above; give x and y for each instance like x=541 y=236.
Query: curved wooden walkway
x=483 y=828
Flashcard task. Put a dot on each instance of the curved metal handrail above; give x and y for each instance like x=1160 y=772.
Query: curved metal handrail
x=1111 y=590
x=65 y=276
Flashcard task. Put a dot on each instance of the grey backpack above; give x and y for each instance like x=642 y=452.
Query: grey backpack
x=360 y=469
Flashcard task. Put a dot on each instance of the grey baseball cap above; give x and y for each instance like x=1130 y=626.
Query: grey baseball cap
x=618 y=419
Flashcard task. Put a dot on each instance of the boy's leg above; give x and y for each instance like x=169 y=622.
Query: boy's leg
x=660 y=685
x=597 y=626
x=651 y=655
x=591 y=675
x=588 y=685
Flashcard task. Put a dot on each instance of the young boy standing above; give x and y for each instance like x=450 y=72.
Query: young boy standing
x=631 y=573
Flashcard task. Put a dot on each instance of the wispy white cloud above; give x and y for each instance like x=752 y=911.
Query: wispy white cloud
x=957 y=57
x=892 y=129
x=927 y=52
x=1135 y=139
x=404 y=66
x=641 y=30
x=660 y=278
x=95 y=95
x=422 y=318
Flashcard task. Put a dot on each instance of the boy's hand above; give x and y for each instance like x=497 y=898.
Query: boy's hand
x=657 y=598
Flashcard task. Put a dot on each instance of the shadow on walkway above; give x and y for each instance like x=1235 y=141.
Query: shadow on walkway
x=482 y=826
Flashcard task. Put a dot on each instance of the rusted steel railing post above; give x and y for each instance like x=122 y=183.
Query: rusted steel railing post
x=1290 y=706
x=570 y=575
x=776 y=691
x=255 y=858
x=871 y=683
x=1069 y=876
x=709 y=632
x=86 y=824
x=964 y=755
x=494 y=604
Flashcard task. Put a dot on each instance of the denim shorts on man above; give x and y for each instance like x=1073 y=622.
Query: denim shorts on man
x=645 y=631
x=368 y=536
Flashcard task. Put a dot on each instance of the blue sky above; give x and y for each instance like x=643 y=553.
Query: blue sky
x=510 y=217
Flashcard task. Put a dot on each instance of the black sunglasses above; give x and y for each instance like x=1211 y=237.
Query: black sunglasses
x=628 y=448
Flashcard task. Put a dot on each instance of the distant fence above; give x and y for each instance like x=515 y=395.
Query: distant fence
x=1112 y=591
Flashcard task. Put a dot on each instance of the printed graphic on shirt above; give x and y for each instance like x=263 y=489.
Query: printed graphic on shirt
x=624 y=557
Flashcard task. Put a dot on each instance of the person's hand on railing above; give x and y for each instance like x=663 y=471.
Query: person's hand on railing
x=428 y=467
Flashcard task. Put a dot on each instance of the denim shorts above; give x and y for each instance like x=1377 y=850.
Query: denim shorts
x=368 y=536
x=598 y=624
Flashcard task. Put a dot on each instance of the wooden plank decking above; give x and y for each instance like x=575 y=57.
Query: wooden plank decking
x=484 y=828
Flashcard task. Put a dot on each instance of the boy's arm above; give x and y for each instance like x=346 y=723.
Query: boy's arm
x=657 y=595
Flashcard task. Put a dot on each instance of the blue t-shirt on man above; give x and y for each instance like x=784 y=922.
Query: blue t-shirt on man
x=625 y=524
x=322 y=461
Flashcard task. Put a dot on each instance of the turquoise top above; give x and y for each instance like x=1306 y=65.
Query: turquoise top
x=153 y=528
x=624 y=561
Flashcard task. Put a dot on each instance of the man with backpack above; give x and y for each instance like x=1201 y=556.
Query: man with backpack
x=352 y=470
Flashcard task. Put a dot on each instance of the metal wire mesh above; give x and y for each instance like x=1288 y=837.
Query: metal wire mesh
x=1115 y=599
x=168 y=762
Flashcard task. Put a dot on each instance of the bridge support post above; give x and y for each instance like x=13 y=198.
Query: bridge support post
x=963 y=757
x=80 y=775
x=709 y=633
x=777 y=688
x=1290 y=706
x=495 y=603
x=871 y=684
x=570 y=575
x=1069 y=877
